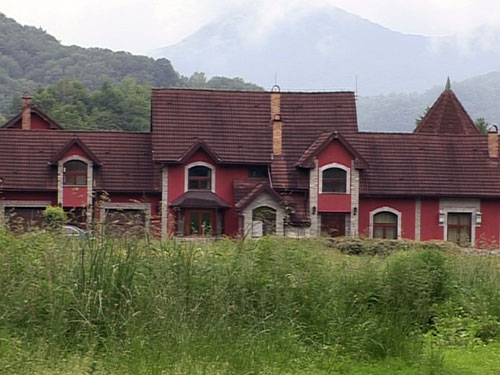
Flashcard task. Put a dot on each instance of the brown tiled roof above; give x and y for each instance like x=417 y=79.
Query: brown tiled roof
x=305 y=117
x=233 y=125
x=200 y=199
x=125 y=157
x=34 y=110
x=72 y=142
x=427 y=165
x=236 y=126
x=242 y=187
x=324 y=139
x=254 y=192
x=447 y=116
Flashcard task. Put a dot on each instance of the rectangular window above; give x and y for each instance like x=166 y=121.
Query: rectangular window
x=257 y=171
x=459 y=228
x=199 y=223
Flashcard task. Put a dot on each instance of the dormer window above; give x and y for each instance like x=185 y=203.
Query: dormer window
x=199 y=178
x=334 y=180
x=75 y=173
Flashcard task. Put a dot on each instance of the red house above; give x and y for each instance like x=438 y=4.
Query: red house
x=252 y=163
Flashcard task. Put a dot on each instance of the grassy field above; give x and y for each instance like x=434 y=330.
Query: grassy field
x=273 y=306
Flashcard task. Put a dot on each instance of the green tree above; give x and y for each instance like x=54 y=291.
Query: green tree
x=419 y=119
x=482 y=125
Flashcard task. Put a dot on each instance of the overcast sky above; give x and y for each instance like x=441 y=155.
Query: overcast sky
x=139 y=26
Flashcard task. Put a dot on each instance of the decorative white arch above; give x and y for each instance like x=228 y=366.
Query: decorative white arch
x=199 y=164
x=339 y=166
x=386 y=209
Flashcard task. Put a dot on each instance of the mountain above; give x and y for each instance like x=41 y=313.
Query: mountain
x=31 y=59
x=326 y=48
x=479 y=95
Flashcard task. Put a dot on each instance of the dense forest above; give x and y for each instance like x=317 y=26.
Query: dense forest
x=75 y=79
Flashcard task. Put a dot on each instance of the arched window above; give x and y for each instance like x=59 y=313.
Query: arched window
x=75 y=173
x=334 y=180
x=385 y=225
x=199 y=178
x=263 y=221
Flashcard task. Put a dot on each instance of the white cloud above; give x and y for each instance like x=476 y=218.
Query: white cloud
x=142 y=25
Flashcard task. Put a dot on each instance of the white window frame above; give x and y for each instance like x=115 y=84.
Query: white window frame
x=199 y=164
x=386 y=209
x=339 y=166
x=462 y=210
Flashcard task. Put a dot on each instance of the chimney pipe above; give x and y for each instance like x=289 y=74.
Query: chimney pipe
x=493 y=141
x=276 y=119
x=26 y=112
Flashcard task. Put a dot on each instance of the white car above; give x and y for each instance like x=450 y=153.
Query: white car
x=73 y=231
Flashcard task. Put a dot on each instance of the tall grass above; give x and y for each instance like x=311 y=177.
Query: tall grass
x=267 y=306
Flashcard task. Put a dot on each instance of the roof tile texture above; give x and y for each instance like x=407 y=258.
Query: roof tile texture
x=125 y=157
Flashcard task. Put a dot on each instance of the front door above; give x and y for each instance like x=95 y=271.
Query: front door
x=333 y=225
x=199 y=223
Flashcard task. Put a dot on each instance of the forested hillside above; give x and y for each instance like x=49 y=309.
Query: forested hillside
x=31 y=59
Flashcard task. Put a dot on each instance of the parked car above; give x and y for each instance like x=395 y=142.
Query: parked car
x=74 y=231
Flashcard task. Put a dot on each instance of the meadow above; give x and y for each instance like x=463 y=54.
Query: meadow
x=268 y=306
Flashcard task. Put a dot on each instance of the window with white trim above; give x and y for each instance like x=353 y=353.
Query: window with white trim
x=385 y=225
x=334 y=178
x=75 y=173
x=199 y=178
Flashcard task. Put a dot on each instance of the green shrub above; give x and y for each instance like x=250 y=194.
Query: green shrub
x=53 y=217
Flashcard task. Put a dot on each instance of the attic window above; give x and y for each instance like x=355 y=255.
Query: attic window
x=75 y=173
x=257 y=171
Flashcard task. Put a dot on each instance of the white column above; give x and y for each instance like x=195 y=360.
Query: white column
x=314 y=230
x=354 y=231
x=164 y=203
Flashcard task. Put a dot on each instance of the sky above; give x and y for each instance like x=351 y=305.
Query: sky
x=140 y=26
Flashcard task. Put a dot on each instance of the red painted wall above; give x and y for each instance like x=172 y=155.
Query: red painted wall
x=224 y=177
x=75 y=151
x=37 y=123
x=74 y=196
x=30 y=196
x=405 y=206
x=429 y=220
x=335 y=152
x=487 y=235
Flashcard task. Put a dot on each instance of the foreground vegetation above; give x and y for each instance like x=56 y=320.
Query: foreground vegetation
x=273 y=306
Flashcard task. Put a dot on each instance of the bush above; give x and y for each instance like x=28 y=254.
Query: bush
x=54 y=217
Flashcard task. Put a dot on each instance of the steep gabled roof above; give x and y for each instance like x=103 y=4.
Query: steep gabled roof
x=324 y=139
x=14 y=120
x=75 y=141
x=199 y=145
x=447 y=116
x=258 y=189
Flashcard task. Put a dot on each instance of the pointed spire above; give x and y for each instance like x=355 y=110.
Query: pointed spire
x=448 y=84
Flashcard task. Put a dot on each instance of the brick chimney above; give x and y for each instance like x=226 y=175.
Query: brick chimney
x=276 y=119
x=493 y=141
x=26 y=112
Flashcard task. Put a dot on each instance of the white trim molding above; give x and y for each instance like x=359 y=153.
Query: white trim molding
x=463 y=206
x=164 y=203
x=386 y=209
x=199 y=164
x=339 y=166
